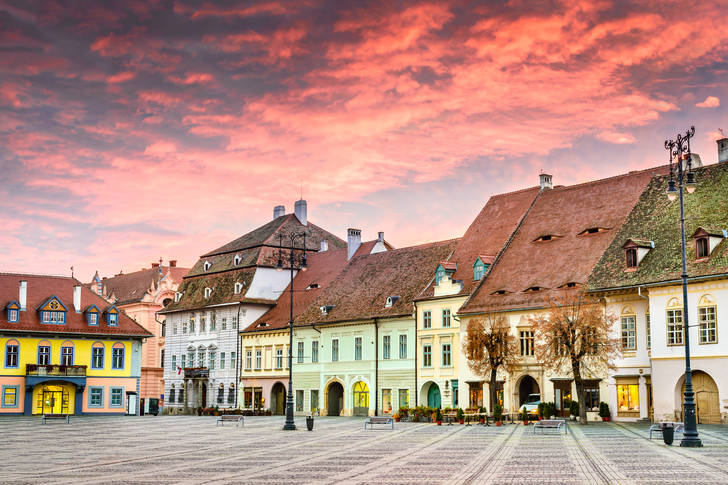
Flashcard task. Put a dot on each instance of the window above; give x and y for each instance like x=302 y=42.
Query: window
x=258 y=359
x=527 y=342
x=112 y=319
x=591 y=393
x=238 y=287
x=300 y=353
x=97 y=356
x=203 y=322
x=427 y=319
x=248 y=359
x=403 y=398
x=96 y=397
x=10 y=396
x=279 y=358
x=314 y=351
x=427 y=355
x=174 y=329
x=232 y=360
x=191 y=358
x=629 y=340
x=335 y=350
x=386 y=344
x=387 y=401
x=181 y=397
x=649 y=331
x=478 y=270
x=446 y=355
x=231 y=394
x=116 y=399
x=117 y=356
x=13 y=315
x=44 y=355
x=631 y=255
x=213 y=358
x=201 y=358
x=235 y=322
x=222 y=360
x=403 y=346
x=357 y=348
x=93 y=319
x=439 y=275
x=184 y=327
x=182 y=361
x=208 y=292
x=172 y=394
x=66 y=354
x=314 y=400
x=702 y=249
x=446 y=317
x=223 y=323
x=674 y=327
x=213 y=323
x=299 y=400
x=708 y=328
x=236 y=260
x=174 y=363
x=221 y=394
x=206 y=266
x=628 y=400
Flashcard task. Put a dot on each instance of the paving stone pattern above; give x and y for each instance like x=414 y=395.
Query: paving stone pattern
x=186 y=449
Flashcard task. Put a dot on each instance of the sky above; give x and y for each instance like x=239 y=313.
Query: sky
x=141 y=129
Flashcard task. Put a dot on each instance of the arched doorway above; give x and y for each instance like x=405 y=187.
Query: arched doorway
x=433 y=396
x=278 y=399
x=706 y=398
x=527 y=386
x=335 y=399
x=361 y=399
x=54 y=398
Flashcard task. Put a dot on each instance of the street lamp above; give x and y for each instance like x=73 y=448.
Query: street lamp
x=290 y=425
x=679 y=150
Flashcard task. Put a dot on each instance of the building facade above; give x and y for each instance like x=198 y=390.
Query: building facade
x=65 y=349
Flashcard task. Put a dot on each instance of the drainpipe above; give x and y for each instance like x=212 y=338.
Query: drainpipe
x=376 y=367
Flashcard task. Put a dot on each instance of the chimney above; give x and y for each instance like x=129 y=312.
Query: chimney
x=354 y=241
x=77 y=298
x=324 y=245
x=545 y=181
x=278 y=211
x=155 y=265
x=722 y=150
x=172 y=263
x=23 y=295
x=300 y=209
x=381 y=237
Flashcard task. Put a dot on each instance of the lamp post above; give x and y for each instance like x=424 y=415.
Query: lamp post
x=679 y=150
x=290 y=425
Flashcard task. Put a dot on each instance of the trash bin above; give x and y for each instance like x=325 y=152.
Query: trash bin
x=309 y=423
x=668 y=433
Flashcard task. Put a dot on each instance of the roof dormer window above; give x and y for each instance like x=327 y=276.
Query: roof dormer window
x=312 y=286
x=206 y=266
x=112 y=316
x=444 y=268
x=706 y=240
x=546 y=237
x=499 y=292
x=177 y=296
x=53 y=312
x=13 y=309
x=263 y=324
x=238 y=287
x=92 y=315
x=592 y=230
x=208 y=292
x=480 y=266
x=532 y=289
x=237 y=259
x=391 y=300
x=701 y=248
x=326 y=309
x=635 y=250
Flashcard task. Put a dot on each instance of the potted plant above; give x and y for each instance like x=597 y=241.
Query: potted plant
x=604 y=411
x=309 y=422
x=498 y=414
x=574 y=410
x=461 y=416
x=482 y=411
x=524 y=417
x=396 y=417
x=199 y=411
x=438 y=417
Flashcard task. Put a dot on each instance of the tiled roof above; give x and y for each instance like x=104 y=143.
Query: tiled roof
x=657 y=219
x=131 y=287
x=41 y=288
x=223 y=290
x=360 y=291
x=487 y=234
x=531 y=272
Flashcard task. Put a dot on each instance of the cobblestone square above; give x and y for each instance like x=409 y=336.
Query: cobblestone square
x=185 y=449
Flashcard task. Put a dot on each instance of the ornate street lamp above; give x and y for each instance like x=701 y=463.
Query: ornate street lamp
x=679 y=150
x=294 y=263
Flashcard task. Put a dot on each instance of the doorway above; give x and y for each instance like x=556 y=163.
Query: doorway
x=53 y=400
x=203 y=395
x=361 y=399
x=526 y=387
x=335 y=399
x=278 y=399
x=707 y=404
x=433 y=396
x=562 y=398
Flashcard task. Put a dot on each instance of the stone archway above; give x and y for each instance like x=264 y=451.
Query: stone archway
x=431 y=395
x=334 y=399
x=278 y=399
x=707 y=403
x=527 y=385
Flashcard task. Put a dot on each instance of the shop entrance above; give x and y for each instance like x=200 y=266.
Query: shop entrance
x=53 y=400
x=562 y=398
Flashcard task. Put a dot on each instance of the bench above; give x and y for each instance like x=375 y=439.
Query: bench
x=657 y=428
x=47 y=417
x=450 y=417
x=230 y=418
x=556 y=424
x=372 y=420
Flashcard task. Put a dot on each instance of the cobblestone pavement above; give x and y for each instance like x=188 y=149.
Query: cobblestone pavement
x=186 y=449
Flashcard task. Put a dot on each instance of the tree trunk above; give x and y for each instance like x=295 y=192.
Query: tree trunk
x=492 y=389
x=580 y=395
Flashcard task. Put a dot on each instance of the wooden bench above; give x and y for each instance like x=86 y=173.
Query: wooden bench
x=557 y=424
x=372 y=420
x=657 y=428
x=230 y=418
x=47 y=417
x=449 y=417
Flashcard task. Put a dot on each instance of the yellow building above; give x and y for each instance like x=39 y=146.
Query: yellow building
x=65 y=349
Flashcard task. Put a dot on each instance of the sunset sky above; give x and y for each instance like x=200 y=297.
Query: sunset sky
x=138 y=129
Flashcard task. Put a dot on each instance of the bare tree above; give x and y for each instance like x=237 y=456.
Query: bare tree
x=488 y=346
x=575 y=331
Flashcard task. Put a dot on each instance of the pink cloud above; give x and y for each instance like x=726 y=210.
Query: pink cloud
x=121 y=77
x=192 y=78
x=710 y=102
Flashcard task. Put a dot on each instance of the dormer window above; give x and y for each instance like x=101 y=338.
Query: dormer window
x=533 y=288
x=238 y=287
x=13 y=309
x=112 y=316
x=444 y=268
x=634 y=252
x=391 y=300
x=701 y=248
x=177 y=296
x=208 y=292
x=706 y=240
x=92 y=315
x=53 y=312
x=326 y=309
x=480 y=266
x=312 y=286
x=592 y=230
x=570 y=284
x=263 y=324
x=237 y=259
x=206 y=266
x=499 y=292
x=546 y=237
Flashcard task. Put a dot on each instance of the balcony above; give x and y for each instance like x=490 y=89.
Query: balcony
x=197 y=372
x=55 y=370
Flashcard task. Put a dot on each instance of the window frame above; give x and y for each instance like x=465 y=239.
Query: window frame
x=5 y=389
x=427 y=355
x=630 y=255
x=701 y=324
x=314 y=351
x=446 y=362
x=91 y=395
x=65 y=355
x=115 y=355
x=386 y=347
x=299 y=352
x=674 y=332
x=358 y=350
x=279 y=358
x=102 y=348
x=526 y=342
x=702 y=245
x=403 y=351
x=334 y=350
x=427 y=319
x=111 y=397
x=49 y=354
x=446 y=318
x=628 y=335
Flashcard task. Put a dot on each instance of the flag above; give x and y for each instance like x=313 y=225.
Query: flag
x=179 y=370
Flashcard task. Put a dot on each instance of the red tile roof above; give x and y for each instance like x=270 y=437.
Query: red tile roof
x=566 y=211
x=41 y=288
x=131 y=287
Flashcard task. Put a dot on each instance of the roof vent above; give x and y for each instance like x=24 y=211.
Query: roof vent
x=236 y=260
x=207 y=265
x=261 y=324
x=324 y=245
x=172 y=263
x=326 y=309
x=545 y=181
x=391 y=300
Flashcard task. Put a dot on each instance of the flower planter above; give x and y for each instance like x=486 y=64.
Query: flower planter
x=462 y=421
x=439 y=423
x=525 y=422
x=605 y=418
x=498 y=423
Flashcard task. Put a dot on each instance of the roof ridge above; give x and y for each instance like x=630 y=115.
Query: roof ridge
x=607 y=179
x=43 y=275
x=512 y=192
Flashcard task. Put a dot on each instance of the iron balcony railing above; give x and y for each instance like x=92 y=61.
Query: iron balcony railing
x=55 y=370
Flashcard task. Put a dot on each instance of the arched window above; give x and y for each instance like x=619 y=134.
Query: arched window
x=207 y=265
x=97 y=355
x=707 y=320
x=674 y=322
x=117 y=356
x=221 y=394
x=181 y=397
x=171 y=393
x=44 y=352
x=12 y=353
x=231 y=394
x=67 y=353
